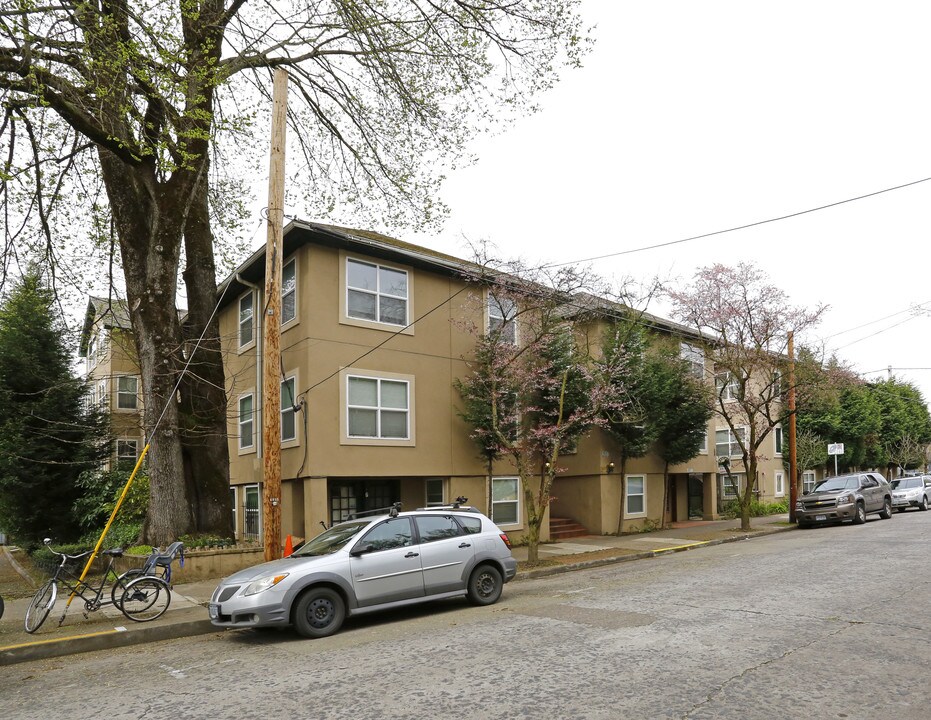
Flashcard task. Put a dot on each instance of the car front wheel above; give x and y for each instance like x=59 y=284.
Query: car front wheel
x=886 y=512
x=923 y=505
x=860 y=516
x=485 y=585
x=319 y=613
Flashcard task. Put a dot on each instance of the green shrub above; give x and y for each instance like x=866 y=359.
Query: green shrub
x=201 y=541
x=731 y=508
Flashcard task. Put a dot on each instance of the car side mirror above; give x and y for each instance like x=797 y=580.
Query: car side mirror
x=361 y=549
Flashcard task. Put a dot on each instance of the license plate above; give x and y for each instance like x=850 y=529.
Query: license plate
x=213 y=610
x=819 y=518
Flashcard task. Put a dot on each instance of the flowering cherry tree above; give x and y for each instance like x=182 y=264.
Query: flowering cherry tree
x=747 y=321
x=532 y=394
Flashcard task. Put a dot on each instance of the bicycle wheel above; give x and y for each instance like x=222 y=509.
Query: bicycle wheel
x=119 y=587
x=145 y=598
x=41 y=606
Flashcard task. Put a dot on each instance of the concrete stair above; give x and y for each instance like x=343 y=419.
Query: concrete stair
x=564 y=528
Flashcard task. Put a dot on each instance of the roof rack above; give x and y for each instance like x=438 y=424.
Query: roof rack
x=391 y=510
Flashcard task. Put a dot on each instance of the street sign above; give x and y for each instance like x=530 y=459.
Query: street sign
x=835 y=448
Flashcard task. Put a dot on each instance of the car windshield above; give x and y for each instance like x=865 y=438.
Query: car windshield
x=331 y=540
x=906 y=483
x=837 y=483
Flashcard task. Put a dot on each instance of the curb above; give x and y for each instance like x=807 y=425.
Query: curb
x=569 y=567
x=105 y=640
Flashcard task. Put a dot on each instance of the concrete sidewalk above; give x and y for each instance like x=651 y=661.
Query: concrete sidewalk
x=187 y=614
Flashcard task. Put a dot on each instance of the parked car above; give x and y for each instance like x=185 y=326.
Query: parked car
x=845 y=497
x=913 y=491
x=369 y=564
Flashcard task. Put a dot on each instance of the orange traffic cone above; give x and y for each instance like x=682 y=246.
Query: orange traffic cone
x=288 y=548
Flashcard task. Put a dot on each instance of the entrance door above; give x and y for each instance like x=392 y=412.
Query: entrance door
x=696 y=497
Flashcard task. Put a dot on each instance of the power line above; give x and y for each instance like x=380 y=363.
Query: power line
x=739 y=227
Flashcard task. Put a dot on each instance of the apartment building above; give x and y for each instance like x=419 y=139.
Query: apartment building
x=109 y=353
x=372 y=341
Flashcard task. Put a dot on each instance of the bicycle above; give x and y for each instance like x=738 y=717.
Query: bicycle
x=140 y=597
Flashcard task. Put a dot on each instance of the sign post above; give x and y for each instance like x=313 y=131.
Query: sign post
x=835 y=449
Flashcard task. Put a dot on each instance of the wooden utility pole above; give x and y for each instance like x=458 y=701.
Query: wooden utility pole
x=793 y=467
x=271 y=348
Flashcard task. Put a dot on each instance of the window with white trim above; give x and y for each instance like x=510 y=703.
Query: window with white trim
x=808 y=481
x=777 y=439
x=635 y=495
x=377 y=408
x=289 y=292
x=127 y=452
x=246 y=319
x=246 y=422
x=780 y=481
x=505 y=500
x=695 y=357
x=103 y=396
x=376 y=292
x=288 y=419
x=725 y=442
x=731 y=483
x=502 y=318
x=127 y=390
x=435 y=494
x=727 y=385
x=703 y=448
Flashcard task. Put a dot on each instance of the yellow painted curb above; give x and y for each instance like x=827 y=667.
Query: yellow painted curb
x=36 y=643
x=680 y=547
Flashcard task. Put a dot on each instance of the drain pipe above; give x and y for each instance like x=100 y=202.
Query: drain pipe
x=257 y=417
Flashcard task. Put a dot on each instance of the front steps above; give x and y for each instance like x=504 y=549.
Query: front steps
x=564 y=528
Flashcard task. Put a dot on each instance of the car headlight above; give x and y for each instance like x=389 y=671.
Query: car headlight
x=799 y=505
x=844 y=499
x=263 y=584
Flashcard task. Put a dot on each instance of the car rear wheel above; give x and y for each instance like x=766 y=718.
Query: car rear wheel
x=860 y=516
x=319 y=613
x=923 y=505
x=886 y=512
x=485 y=585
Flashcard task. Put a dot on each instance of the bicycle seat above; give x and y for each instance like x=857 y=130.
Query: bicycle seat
x=115 y=552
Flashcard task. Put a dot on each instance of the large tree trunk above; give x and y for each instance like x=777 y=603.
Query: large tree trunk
x=203 y=394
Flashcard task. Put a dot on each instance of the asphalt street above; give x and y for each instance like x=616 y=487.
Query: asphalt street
x=823 y=623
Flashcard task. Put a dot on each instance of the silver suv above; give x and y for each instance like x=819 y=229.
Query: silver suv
x=845 y=497
x=370 y=564
x=913 y=491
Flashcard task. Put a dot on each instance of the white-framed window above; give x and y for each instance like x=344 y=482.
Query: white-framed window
x=780 y=483
x=246 y=319
x=635 y=495
x=695 y=357
x=725 y=442
x=703 y=448
x=246 y=422
x=376 y=293
x=731 y=483
x=727 y=386
x=92 y=348
x=435 y=491
x=234 y=519
x=502 y=318
x=252 y=512
x=103 y=395
x=808 y=481
x=127 y=392
x=288 y=415
x=377 y=408
x=505 y=500
x=777 y=439
x=127 y=452
x=288 y=291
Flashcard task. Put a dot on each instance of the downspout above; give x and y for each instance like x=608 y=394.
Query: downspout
x=259 y=406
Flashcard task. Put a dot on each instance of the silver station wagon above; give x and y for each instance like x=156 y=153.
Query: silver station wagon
x=370 y=564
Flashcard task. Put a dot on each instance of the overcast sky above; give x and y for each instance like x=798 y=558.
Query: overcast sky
x=694 y=117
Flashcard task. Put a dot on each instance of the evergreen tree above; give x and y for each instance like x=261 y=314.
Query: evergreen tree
x=48 y=436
